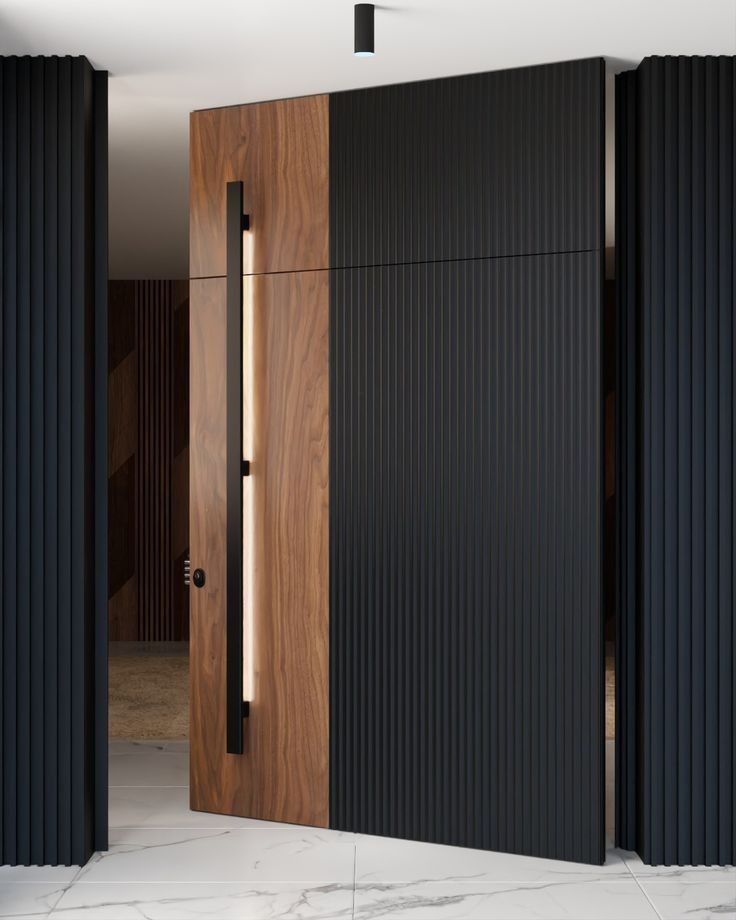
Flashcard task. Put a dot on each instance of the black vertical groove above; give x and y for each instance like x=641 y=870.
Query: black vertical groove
x=64 y=485
x=627 y=420
x=78 y=495
x=37 y=452
x=10 y=411
x=2 y=449
x=676 y=156
x=53 y=708
x=23 y=459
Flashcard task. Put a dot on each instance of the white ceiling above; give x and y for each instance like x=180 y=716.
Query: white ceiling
x=168 y=57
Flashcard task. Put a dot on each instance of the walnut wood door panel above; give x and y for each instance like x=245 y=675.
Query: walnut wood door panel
x=279 y=150
x=283 y=773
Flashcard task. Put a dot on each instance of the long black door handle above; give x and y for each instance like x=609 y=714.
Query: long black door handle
x=237 y=467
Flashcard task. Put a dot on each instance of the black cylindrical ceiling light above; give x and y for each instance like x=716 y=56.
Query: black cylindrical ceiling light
x=364 y=17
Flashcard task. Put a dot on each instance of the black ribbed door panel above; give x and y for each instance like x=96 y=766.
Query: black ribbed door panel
x=465 y=472
x=491 y=164
x=465 y=554
x=676 y=149
x=53 y=341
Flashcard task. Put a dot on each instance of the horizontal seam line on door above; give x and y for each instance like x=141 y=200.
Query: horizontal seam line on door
x=513 y=255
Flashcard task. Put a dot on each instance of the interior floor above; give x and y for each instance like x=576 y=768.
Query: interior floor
x=167 y=862
x=149 y=690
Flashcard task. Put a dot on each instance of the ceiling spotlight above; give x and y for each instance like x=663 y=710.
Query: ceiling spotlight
x=364 y=15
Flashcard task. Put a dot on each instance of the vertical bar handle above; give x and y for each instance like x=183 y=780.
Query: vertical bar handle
x=237 y=222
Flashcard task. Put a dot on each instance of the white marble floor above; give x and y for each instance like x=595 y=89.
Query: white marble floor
x=167 y=863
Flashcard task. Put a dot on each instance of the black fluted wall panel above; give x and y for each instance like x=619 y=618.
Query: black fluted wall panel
x=676 y=224
x=53 y=192
x=466 y=644
x=491 y=164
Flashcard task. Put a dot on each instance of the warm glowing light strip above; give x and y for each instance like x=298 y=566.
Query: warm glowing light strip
x=249 y=482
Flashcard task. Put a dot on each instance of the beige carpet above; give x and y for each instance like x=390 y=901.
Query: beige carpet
x=149 y=696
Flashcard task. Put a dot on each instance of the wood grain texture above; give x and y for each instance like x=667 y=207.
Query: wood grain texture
x=279 y=150
x=122 y=403
x=122 y=445
x=123 y=612
x=283 y=774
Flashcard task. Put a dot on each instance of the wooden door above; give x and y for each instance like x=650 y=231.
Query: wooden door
x=279 y=151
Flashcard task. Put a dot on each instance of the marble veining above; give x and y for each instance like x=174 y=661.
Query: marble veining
x=692 y=900
x=29 y=899
x=168 y=863
x=610 y=900
x=224 y=855
x=400 y=860
x=203 y=901
x=698 y=874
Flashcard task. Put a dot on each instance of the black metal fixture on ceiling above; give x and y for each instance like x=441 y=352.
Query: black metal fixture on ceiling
x=364 y=18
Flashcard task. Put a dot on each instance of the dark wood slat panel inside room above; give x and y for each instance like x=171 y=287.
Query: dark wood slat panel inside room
x=148 y=459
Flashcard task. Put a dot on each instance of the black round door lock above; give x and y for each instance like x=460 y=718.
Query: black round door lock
x=199 y=578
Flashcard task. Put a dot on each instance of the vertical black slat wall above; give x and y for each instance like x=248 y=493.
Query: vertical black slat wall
x=676 y=710
x=466 y=490
x=54 y=274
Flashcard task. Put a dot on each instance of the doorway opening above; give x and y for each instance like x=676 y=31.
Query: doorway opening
x=148 y=504
x=609 y=552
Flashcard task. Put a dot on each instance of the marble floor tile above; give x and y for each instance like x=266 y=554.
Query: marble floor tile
x=692 y=900
x=169 y=863
x=59 y=875
x=204 y=901
x=697 y=874
x=385 y=860
x=167 y=807
x=593 y=900
x=21 y=900
x=303 y=855
x=150 y=768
